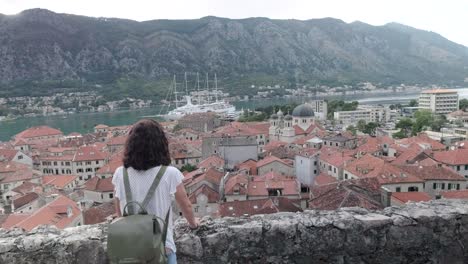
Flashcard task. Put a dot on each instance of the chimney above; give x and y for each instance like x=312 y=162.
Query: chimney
x=385 y=197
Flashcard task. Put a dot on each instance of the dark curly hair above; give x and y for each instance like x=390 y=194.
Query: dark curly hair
x=146 y=146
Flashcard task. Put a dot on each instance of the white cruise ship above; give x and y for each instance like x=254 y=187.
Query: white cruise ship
x=218 y=106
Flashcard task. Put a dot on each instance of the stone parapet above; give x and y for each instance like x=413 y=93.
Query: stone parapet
x=432 y=232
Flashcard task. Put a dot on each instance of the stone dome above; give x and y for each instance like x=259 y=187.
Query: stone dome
x=274 y=116
x=303 y=110
x=288 y=117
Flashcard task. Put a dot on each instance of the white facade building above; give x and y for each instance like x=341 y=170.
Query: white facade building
x=439 y=101
x=372 y=114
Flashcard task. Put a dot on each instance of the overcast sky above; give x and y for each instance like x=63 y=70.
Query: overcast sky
x=446 y=17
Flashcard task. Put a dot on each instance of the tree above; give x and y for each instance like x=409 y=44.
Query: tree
x=438 y=123
x=352 y=129
x=413 y=103
x=399 y=134
x=361 y=125
x=370 y=128
x=188 y=167
x=405 y=125
x=424 y=118
x=463 y=104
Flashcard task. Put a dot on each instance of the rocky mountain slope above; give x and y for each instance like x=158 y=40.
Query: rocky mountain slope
x=40 y=45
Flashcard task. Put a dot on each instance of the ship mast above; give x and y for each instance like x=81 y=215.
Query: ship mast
x=186 y=89
x=207 y=88
x=216 y=88
x=175 y=92
x=198 y=89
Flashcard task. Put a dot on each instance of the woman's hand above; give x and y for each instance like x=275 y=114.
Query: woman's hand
x=195 y=224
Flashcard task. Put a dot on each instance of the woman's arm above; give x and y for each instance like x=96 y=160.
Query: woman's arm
x=185 y=205
x=117 y=207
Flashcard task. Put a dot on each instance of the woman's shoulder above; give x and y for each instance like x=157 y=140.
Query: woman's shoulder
x=172 y=170
x=119 y=171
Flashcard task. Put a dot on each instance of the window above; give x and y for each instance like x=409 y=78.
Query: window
x=20 y=157
x=413 y=189
x=449 y=186
x=81 y=178
x=434 y=186
x=334 y=170
x=398 y=189
x=315 y=171
x=458 y=168
x=88 y=163
x=97 y=161
x=329 y=167
x=458 y=186
x=196 y=209
x=466 y=167
x=55 y=163
x=67 y=163
x=336 y=144
x=315 y=162
x=111 y=195
x=103 y=177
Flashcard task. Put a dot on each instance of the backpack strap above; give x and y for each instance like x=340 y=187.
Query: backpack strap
x=153 y=187
x=128 y=191
x=166 y=225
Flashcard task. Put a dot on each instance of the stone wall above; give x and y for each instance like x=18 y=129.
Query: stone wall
x=434 y=232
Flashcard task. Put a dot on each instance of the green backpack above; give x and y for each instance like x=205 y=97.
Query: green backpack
x=138 y=238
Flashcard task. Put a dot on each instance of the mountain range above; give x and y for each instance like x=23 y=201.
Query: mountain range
x=40 y=46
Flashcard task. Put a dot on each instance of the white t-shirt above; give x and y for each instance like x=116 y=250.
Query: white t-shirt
x=140 y=182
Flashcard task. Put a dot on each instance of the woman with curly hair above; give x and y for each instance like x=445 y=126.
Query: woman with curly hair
x=146 y=151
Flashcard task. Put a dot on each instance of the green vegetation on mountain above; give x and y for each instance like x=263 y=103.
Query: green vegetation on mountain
x=44 y=52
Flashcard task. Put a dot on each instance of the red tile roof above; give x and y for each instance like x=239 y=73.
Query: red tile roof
x=7 y=154
x=433 y=172
x=115 y=161
x=211 y=161
x=249 y=165
x=273 y=145
x=261 y=206
x=452 y=157
x=460 y=194
x=298 y=130
x=98 y=214
x=323 y=179
x=240 y=128
x=90 y=153
x=424 y=141
x=335 y=157
x=26 y=187
x=97 y=184
x=54 y=213
x=363 y=193
x=212 y=195
x=270 y=159
x=38 y=131
x=25 y=199
x=14 y=219
x=119 y=141
x=366 y=166
x=236 y=183
x=58 y=181
x=13 y=172
x=260 y=185
x=211 y=175
x=404 y=197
